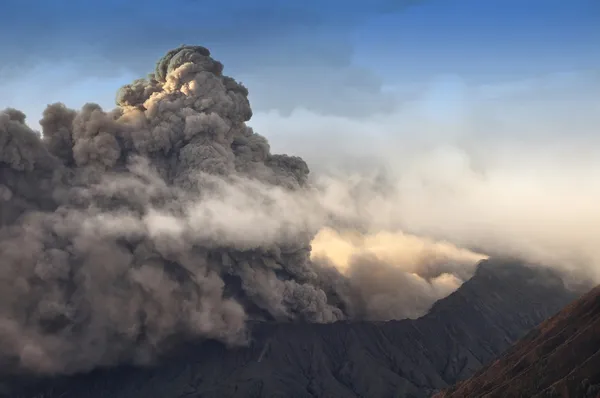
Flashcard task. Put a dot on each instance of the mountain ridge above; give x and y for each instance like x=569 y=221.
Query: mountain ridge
x=405 y=358
x=559 y=358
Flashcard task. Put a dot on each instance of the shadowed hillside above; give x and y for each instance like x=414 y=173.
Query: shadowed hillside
x=560 y=358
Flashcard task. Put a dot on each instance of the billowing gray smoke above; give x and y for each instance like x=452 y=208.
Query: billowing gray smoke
x=165 y=218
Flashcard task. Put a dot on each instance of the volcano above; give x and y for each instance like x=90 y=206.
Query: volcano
x=503 y=301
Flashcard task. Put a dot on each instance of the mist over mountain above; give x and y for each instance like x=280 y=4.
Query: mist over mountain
x=167 y=221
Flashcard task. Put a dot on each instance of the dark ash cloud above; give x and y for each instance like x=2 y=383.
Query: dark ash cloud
x=166 y=218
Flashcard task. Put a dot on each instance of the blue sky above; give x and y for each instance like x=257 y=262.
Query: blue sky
x=487 y=111
x=341 y=60
x=489 y=39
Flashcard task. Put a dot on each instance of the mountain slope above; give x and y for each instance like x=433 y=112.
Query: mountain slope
x=560 y=358
x=408 y=358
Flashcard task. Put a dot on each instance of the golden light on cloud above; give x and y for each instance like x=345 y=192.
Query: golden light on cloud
x=396 y=275
x=408 y=252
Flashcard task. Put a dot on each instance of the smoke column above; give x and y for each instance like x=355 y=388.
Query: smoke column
x=168 y=217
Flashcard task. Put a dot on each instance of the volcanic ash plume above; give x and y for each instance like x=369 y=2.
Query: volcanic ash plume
x=165 y=218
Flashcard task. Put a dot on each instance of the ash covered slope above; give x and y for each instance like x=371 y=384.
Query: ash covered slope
x=560 y=358
x=408 y=358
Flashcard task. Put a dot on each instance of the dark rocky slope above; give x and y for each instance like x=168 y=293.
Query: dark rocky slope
x=409 y=358
x=560 y=358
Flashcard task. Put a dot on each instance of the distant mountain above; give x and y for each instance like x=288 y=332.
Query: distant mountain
x=408 y=358
x=560 y=358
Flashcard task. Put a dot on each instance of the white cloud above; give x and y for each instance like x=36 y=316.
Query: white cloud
x=519 y=174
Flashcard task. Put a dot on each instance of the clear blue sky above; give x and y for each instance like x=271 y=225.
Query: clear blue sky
x=338 y=58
